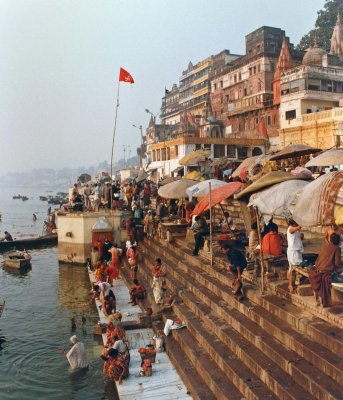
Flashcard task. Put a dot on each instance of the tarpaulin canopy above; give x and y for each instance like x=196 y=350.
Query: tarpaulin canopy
x=277 y=200
x=327 y=158
x=217 y=195
x=316 y=203
x=201 y=189
x=176 y=189
x=294 y=150
x=270 y=179
x=194 y=157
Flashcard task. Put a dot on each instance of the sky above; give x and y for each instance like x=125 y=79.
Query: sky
x=60 y=61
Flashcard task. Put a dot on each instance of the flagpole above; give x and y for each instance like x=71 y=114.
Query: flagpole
x=114 y=134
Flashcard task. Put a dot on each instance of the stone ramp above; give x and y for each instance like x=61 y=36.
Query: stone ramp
x=263 y=340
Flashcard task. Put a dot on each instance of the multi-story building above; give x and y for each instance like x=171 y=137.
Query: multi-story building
x=242 y=97
x=170 y=110
x=310 y=96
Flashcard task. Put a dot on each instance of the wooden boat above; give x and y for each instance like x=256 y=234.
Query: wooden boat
x=2 y=306
x=17 y=259
x=29 y=243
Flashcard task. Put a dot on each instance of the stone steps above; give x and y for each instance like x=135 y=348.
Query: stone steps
x=329 y=336
x=194 y=382
x=301 y=370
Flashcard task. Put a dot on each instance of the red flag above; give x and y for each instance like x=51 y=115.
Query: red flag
x=261 y=129
x=190 y=118
x=125 y=76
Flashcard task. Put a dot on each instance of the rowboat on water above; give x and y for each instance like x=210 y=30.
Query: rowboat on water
x=29 y=243
x=2 y=306
x=17 y=259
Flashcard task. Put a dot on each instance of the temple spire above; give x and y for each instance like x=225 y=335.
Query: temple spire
x=337 y=38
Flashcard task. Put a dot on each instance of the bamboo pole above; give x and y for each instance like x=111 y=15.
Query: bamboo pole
x=210 y=202
x=261 y=253
x=114 y=134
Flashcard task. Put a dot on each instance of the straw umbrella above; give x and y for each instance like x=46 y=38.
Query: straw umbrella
x=327 y=158
x=194 y=157
x=294 y=150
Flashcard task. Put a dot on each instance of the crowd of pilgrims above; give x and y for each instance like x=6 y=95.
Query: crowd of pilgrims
x=105 y=263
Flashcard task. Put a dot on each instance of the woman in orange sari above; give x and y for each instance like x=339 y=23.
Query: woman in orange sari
x=113 y=269
x=100 y=272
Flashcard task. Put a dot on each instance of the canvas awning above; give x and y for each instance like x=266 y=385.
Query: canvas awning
x=278 y=200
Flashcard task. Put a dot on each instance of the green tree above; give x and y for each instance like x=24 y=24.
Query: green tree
x=326 y=20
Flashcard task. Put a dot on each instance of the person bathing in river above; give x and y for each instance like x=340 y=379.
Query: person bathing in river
x=76 y=355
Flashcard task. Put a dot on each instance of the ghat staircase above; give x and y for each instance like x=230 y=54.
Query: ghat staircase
x=263 y=347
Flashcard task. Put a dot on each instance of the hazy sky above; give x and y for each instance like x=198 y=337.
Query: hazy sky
x=60 y=59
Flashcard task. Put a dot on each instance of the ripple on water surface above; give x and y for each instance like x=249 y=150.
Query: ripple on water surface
x=36 y=324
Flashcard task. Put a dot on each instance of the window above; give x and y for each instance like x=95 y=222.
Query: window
x=218 y=150
x=221 y=84
x=207 y=146
x=176 y=151
x=231 y=151
x=326 y=85
x=313 y=84
x=337 y=87
x=215 y=86
x=292 y=114
x=269 y=120
x=239 y=76
x=284 y=89
x=255 y=69
x=242 y=152
x=197 y=146
x=235 y=78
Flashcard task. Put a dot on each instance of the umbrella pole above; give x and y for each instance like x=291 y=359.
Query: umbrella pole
x=210 y=201
x=261 y=253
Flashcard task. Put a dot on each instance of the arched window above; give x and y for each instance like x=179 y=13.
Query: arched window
x=256 y=151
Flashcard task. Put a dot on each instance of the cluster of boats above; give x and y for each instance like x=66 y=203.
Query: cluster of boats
x=20 y=197
x=59 y=198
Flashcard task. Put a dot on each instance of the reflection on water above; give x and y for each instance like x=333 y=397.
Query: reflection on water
x=36 y=323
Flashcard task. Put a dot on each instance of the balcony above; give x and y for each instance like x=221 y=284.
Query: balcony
x=251 y=103
x=333 y=115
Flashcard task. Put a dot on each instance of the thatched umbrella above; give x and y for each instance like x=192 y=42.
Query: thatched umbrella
x=327 y=158
x=194 y=157
x=294 y=150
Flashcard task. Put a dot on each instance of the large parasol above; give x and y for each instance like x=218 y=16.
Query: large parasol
x=277 y=200
x=294 y=150
x=217 y=195
x=327 y=158
x=194 y=157
x=317 y=201
x=269 y=179
x=176 y=190
x=200 y=189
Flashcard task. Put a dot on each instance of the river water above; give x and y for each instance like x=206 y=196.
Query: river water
x=36 y=321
